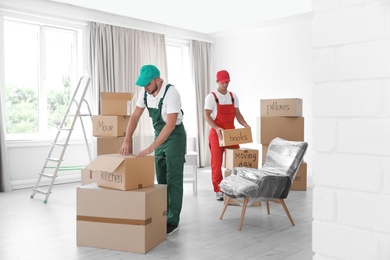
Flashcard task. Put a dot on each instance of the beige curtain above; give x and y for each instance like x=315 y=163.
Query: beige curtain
x=200 y=55
x=116 y=56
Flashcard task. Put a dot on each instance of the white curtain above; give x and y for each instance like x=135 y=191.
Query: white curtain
x=116 y=57
x=200 y=56
x=5 y=183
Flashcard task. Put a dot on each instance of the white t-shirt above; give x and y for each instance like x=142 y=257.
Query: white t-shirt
x=171 y=102
x=226 y=99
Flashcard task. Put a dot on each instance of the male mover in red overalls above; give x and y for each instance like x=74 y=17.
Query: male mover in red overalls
x=220 y=110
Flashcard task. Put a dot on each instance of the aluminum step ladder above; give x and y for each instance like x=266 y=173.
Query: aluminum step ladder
x=57 y=150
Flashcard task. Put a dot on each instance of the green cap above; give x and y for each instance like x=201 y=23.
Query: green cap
x=146 y=75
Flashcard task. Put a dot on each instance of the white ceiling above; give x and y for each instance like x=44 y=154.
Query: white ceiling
x=203 y=16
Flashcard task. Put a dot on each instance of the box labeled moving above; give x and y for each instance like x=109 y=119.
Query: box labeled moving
x=113 y=126
x=121 y=172
x=289 y=107
x=133 y=221
x=116 y=103
x=236 y=136
x=241 y=157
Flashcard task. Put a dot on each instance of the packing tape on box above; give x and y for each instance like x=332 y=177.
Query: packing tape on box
x=138 y=222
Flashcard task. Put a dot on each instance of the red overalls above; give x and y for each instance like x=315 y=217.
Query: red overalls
x=225 y=120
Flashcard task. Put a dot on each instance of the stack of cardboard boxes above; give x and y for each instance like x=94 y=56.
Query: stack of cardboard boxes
x=283 y=118
x=109 y=127
x=119 y=206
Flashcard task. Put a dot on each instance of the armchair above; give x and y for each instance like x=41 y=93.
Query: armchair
x=272 y=182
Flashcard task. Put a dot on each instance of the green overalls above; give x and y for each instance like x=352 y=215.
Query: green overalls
x=169 y=161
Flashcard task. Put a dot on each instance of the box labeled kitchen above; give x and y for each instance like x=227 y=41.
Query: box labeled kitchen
x=88 y=176
x=288 y=107
x=235 y=136
x=121 y=172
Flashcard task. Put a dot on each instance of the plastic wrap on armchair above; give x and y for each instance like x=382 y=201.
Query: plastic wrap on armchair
x=272 y=181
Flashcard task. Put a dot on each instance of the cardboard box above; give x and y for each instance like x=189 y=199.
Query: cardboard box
x=88 y=176
x=108 y=145
x=133 y=221
x=241 y=157
x=264 y=149
x=115 y=103
x=121 y=172
x=288 y=107
x=300 y=180
x=113 y=126
x=289 y=128
x=234 y=201
x=236 y=136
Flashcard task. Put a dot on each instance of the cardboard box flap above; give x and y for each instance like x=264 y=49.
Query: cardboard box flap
x=105 y=163
x=116 y=96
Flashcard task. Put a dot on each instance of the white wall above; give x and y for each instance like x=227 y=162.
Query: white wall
x=351 y=110
x=270 y=61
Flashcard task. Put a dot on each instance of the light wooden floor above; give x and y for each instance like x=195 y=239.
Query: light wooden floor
x=30 y=229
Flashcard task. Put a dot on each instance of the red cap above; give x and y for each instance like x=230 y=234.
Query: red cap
x=223 y=76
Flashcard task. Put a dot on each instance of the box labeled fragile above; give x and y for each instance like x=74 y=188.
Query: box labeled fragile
x=241 y=157
x=121 y=172
x=236 y=202
x=113 y=126
x=118 y=103
x=300 y=180
x=288 y=128
x=235 y=136
x=133 y=221
x=289 y=107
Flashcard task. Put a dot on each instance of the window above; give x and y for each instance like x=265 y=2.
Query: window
x=179 y=75
x=42 y=66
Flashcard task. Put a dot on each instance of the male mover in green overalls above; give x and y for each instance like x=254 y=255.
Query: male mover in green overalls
x=164 y=105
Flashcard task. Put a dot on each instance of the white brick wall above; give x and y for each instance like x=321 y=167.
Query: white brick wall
x=365 y=60
x=365 y=22
x=345 y=242
x=351 y=129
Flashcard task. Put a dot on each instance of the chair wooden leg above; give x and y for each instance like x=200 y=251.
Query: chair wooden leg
x=243 y=213
x=226 y=204
x=286 y=210
x=267 y=203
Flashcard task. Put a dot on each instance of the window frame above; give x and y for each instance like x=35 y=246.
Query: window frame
x=185 y=86
x=79 y=57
